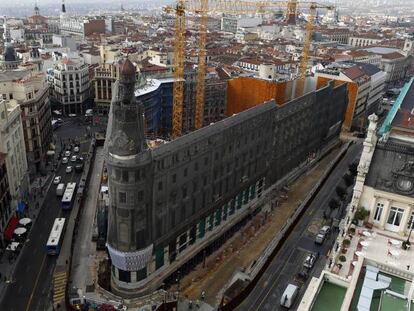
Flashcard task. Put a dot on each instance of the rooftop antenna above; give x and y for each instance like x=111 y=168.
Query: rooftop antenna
x=63 y=6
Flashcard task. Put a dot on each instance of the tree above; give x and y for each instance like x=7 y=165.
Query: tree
x=348 y=179
x=340 y=191
x=353 y=168
x=333 y=204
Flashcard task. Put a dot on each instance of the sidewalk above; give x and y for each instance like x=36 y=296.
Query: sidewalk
x=8 y=263
x=184 y=305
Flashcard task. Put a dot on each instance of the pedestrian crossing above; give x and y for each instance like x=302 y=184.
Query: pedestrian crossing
x=59 y=287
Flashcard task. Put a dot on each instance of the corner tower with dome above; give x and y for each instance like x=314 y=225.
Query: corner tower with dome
x=128 y=161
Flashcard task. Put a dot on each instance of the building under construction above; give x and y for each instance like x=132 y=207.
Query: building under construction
x=170 y=202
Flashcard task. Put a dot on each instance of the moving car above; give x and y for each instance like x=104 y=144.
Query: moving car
x=67 y=153
x=289 y=295
x=72 y=115
x=65 y=160
x=321 y=236
x=69 y=169
x=73 y=159
x=60 y=189
x=57 y=180
x=310 y=260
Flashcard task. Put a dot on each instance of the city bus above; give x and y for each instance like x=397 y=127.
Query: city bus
x=69 y=196
x=56 y=236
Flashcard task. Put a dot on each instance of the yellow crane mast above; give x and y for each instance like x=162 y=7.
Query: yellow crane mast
x=199 y=112
x=178 y=67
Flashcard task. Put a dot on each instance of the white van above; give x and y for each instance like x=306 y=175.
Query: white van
x=289 y=295
x=60 y=190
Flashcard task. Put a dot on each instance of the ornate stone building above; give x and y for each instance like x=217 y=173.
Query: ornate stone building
x=169 y=202
x=387 y=166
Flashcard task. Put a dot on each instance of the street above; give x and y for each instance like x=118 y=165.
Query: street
x=288 y=262
x=30 y=287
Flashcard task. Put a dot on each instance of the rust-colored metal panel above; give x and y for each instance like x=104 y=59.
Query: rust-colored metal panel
x=245 y=92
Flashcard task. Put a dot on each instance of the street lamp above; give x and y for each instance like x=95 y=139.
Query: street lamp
x=411 y=226
x=178 y=285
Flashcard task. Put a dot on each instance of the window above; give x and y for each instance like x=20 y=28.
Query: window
x=140 y=196
x=124 y=276
x=122 y=197
x=378 y=212
x=184 y=192
x=125 y=176
x=395 y=216
x=174 y=178
x=160 y=185
x=196 y=166
x=185 y=172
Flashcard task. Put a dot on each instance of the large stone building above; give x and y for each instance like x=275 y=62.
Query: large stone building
x=388 y=190
x=167 y=203
x=70 y=84
x=29 y=88
x=12 y=144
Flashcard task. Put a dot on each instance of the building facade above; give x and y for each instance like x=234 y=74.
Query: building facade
x=31 y=91
x=81 y=27
x=12 y=144
x=5 y=198
x=169 y=202
x=70 y=85
x=105 y=77
x=388 y=190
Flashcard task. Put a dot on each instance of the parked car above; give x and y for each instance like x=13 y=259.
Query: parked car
x=57 y=180
x=69 y=169
x=72 y=115
x=289 y=296
x=76 y=149
x=73 y=158
x=302 y=275
x=67 y=153
x=321 y=236
x=79 y=167
x=65 y=160
x=310 y=260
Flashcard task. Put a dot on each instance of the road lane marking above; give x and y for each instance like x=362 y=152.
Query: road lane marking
x=59 y=287
x=35 y=285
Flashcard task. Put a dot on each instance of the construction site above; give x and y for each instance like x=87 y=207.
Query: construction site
x=170 y=206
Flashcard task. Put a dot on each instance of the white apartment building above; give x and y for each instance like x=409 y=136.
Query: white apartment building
x=12 y=144
x=394 y=63
x=363 y=41
x=70 y=84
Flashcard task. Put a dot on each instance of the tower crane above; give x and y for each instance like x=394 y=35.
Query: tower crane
x=205 y=7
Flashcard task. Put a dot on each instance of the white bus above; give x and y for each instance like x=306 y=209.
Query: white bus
x=68 y=196
x=56 y=236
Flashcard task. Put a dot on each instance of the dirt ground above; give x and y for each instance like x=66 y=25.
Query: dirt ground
x=246 y=246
